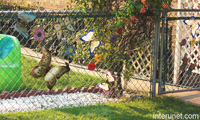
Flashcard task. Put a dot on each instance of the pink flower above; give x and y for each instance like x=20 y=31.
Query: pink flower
x=39 y=34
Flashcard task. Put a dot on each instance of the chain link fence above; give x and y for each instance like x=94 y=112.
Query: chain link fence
x=181 y=51
x=52 y=59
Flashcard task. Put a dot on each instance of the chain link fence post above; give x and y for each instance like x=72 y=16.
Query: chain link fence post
x=156 y=42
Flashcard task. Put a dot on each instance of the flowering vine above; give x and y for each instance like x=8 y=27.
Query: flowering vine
x=143 y=7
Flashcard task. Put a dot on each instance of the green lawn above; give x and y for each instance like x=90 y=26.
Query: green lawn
x=71 y=79
x=136 y=110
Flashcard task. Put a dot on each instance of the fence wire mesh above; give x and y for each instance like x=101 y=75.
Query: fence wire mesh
x=182 y=57
x=54 y=59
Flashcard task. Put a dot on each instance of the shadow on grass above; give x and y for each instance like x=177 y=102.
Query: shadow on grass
x=136 y=110
x=106 y=112
x=173 y=105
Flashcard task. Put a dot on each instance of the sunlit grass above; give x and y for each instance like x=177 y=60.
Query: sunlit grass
x=135 y=110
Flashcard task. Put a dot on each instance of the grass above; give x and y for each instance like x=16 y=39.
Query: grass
x=134 y=110
x=68 y=80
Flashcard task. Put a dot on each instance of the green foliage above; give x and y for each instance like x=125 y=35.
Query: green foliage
x=133 y=32
x=104 y=29
x=126 y=8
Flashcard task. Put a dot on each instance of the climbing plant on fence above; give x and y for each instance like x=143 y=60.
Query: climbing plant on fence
x=97 y=49
x=133 y=24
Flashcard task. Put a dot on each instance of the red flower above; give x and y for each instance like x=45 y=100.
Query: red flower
x=143 y=10
x=133 y=18
x=146 y=4
x=91 y=66
x=165 y=5
x=119 y=31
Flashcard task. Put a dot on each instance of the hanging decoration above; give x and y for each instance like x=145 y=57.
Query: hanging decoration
x=110 y=77
x=107 y=46
x=113 y=38
x=6 y=46
x=26 y=17
x=44 y=65
x=39 y=71
x=110 y=82
x=46 y=58
x=67 y=23
x=94 y=44
x=192 y=42
x=98 y=58
x=185 y=62
x=70 y=51
x=194 y=27
x=104 y=87
x=88 y=36
x=58 y=27
x=76 y=39
x=54 y=74
x=21 y=29
x=192 y=66
x=58 y=30
x=183 y=42
x=91 y=66
x=39 y=34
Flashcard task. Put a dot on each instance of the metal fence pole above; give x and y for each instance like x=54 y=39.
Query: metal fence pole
x=157 y=31
x=161 y=52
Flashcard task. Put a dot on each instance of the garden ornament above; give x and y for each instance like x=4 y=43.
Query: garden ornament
x=58 y=29
x=55 y=73
x=194 y=27
x=21 y=29
x=26 y=17
x=44 y=65
x=39 y=34
x=94 y=44
x=192 y=66
x=67 y=23
x=185 y=62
